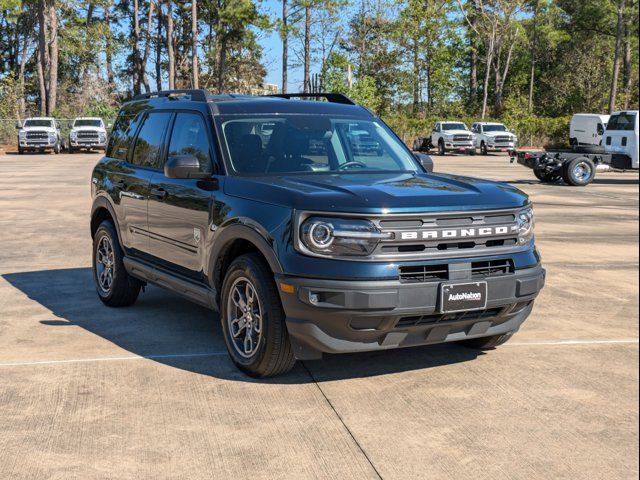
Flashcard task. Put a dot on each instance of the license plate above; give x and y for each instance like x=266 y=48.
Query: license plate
x=460 y=297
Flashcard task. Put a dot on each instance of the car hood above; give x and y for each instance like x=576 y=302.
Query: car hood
x=87 y=129
x=499 y=134
x=376 y=192
x=456 y=132
x=31 y=129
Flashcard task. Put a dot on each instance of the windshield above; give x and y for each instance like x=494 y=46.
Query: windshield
x=87 y=123
x=494 y=128
x=38 y=123
x=454 y=126
x=312 y=144
x=622 y=121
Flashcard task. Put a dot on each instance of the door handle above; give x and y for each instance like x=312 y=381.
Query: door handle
x=160 y=193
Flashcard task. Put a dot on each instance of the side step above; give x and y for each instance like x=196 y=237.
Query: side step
x=191 y=291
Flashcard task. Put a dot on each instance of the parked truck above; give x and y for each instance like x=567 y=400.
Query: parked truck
x=578 y=167
x=88 y=133
x=38 y=134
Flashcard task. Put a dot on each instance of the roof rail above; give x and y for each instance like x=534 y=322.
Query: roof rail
x=330 y=97
x=195 y=95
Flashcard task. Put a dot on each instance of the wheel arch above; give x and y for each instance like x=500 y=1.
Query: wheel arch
x=102 y=210
x=236 y=240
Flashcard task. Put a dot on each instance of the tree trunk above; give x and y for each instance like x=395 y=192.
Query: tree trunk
x=23 y=63
x=170 y=46
x=41 y=84
x=194 y=44
x=159 y=41
x=416 y=77
x=473 y=56
x=532 y=75
x=485 y=86
x=135 y=53
x=147 y=48
x=53 y=57
x=627 y=74
x=222 y=64
x=43 y=56
x=307 y=49
x=109 y=48
x=616 y=57
x=285 y=46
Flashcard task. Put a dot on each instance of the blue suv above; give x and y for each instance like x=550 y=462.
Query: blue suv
x=309 y=225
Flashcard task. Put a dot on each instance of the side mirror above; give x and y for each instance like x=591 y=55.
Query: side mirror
x=425 y=160
x=70 y=124
x=184 y=166
x=109 y=125
x=18 y=125
x=57 y=125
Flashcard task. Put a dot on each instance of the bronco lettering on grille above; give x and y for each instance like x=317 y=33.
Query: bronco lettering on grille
x=459 y=233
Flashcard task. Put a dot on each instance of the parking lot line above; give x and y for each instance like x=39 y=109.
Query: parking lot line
x=114 y=359
x=623 y=341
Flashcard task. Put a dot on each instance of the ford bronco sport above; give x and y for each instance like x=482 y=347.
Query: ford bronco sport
x=270 y=210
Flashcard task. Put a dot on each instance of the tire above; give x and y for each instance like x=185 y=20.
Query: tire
x=487 y=343
x=578 y=172
x=71 y=149
x=56 y=148
x=123 y=290
x=546 y=177
x=441 y=149
x=20 y=151
x=269 y=353
x=483 y=148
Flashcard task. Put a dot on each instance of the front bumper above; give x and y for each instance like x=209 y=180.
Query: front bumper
x=37 y=143
x=503 y=147
x=453 y=145
x=87 y=143
x=336 y=316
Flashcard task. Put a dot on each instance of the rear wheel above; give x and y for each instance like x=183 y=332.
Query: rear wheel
x=487 y=343
x=253 y=321
x=578 y=172
x=115 y=287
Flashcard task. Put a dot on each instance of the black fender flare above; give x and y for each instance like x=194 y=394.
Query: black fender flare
x=102 y=201
x=243 y=230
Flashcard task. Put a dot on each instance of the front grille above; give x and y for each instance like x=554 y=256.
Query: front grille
x=461 y=138
x=502 y=139
x=88 y=135
x=37 y=135
x=450 y=235
x=440 y=272
x=417 y=320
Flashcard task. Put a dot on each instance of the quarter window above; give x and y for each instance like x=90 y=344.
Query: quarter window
x=149 y=142
x=189 y=137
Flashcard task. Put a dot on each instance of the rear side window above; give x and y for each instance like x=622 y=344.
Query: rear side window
x=124 y=129
x=622 y=121
x=149 y=142
x=189 y=137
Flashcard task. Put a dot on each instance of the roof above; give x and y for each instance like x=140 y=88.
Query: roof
x=488 y=123
x=236 y=104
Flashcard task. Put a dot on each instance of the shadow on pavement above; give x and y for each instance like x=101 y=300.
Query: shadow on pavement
x=163 y=324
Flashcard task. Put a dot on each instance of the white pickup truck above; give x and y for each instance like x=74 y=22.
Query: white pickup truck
x=490 y=136
x=452 y=136
x=87 y=132
x=38 y=134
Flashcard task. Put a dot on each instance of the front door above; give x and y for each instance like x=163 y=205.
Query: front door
x=179 y=209
x=136 y=176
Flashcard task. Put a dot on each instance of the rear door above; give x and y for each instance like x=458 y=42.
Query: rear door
x=133 y=178
x=179 y=209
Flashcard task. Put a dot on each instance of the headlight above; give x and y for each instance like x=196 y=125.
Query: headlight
x=329 y=236
x=52 y=135
x=73 y=134
x=22 y=134
x=525 y=225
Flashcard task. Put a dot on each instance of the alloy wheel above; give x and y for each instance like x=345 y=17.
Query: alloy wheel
x=244 y=317
x=105 y=260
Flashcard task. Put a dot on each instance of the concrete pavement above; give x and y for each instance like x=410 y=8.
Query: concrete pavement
x=148 y=391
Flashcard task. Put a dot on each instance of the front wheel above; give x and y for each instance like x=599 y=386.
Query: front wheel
x=487 y=343
x=253 y=322
x=441 y=149
x=56 y=148
x=483 y=148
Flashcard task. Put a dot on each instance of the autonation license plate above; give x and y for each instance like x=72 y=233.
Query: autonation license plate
x=458 y=297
